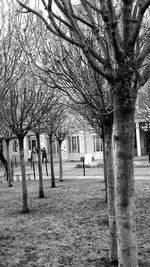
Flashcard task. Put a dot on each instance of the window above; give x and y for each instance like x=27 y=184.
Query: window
x=97 y=143
x=33 y=143
x=78 y=144
x=69 y=144
x=73 y=144
x=29 y=143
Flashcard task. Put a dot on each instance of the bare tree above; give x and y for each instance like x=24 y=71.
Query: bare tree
x=10 y=52
x=91 y=96
x=65 y=67
x=10 y=65
x=46 y=124
x=6 y=134
x=32 y=46
x=23 y=106
x=41 y=189
x=114 y=29
x=66 y=125
x=60 y=135
x=50 y=127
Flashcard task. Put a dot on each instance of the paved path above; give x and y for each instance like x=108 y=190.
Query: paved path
x=71 y=172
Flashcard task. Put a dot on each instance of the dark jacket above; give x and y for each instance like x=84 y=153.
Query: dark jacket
x=2 y=159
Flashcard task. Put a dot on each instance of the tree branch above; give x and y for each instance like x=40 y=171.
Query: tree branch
x=57 y=31
x=145 y=75
x=109 y=17
x=145 y=50
x=137 y=18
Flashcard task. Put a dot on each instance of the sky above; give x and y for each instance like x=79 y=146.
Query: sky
x=75 y=1
x=33 y=4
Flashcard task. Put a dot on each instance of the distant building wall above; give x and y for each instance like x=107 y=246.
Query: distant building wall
x=73 y=147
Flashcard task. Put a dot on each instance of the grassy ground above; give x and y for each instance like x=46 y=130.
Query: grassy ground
x=69 y=227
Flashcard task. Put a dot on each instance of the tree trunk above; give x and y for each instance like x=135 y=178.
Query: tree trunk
x=52 y=162
x=124 y=177
x=23 y=172
x=104 y=165
x=108 y=129
x=9 y=173
x=60 y=163
x=41 y=189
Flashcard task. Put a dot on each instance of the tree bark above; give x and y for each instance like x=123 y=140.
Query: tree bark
x=23 y=172
x=104 y=165
x=41 y=189
x=9 y=173
x=108 y=129
x=124 y=177
x=52 y=162
x=60 y=163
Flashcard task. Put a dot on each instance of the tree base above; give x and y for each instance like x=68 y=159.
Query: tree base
x=41 y=196
x=26 y=211
x=114 y=262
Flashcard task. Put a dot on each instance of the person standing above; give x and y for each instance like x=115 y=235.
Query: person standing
x=44 y=155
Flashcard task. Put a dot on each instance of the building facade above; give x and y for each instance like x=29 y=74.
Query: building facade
x=76 y=146
x=142 y=138
x=73 y=147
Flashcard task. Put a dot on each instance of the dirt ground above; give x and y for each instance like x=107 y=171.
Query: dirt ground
x=69 y=227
